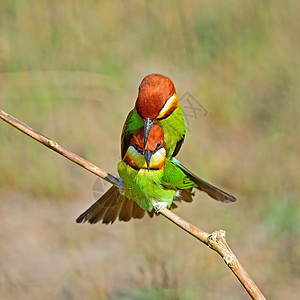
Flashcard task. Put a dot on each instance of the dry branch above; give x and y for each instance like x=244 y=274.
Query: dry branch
x=215 y=241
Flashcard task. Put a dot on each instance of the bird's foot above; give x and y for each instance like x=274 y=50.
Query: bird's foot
x=158 y=206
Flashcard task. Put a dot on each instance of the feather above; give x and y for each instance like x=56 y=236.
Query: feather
x=126 y=211
x=185 y=195
x=98 y=209
x=206 y=187
x=178 y=146
x=110 y=206
x=137 y=211
x=114 y=211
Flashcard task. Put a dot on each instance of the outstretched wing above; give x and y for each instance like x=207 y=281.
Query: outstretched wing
x=206 y=187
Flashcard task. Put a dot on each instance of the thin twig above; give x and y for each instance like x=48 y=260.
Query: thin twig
x=215 y=241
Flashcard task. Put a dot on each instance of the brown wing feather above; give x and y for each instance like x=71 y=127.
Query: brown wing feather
x=208 y=188
x=185 y=195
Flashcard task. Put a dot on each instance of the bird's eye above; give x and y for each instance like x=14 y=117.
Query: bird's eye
x=158 y=145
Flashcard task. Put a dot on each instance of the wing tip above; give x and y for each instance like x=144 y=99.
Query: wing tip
x=229 y=199
x=81 y=219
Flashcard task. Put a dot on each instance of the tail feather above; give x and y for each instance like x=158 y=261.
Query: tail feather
x=137 y=211
x=126 y=211
x=111 y=202
x=110 y=206
x=98 y=209
x=112 y=214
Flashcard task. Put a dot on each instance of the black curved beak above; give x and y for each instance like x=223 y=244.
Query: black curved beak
x=147 y=127
x=148 y=155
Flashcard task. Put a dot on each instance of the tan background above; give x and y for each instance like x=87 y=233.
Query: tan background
x=71 y=70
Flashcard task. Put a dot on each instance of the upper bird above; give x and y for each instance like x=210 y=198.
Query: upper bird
x=157 y=103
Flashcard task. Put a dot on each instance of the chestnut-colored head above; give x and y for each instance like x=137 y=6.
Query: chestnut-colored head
x=154 y=92
x=155 y=139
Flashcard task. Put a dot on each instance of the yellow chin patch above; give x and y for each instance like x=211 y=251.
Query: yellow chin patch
x=169 y=106
x=137 y=160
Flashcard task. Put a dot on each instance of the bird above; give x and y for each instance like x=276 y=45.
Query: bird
x=157 y=103
x=152 y=181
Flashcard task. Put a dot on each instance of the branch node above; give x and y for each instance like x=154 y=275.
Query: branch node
x=216 y=237
x=52 y=143
x=222 y=233
x=230 y=260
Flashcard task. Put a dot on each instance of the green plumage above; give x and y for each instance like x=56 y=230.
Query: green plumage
x=175 y=178
x=145 y=186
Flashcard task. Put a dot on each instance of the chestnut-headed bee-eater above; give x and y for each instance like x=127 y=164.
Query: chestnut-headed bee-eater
x=158 y=103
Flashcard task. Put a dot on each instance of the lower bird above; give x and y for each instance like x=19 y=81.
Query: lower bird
x=151 y=181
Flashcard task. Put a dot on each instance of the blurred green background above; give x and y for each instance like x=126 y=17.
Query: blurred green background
x=70 y=69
